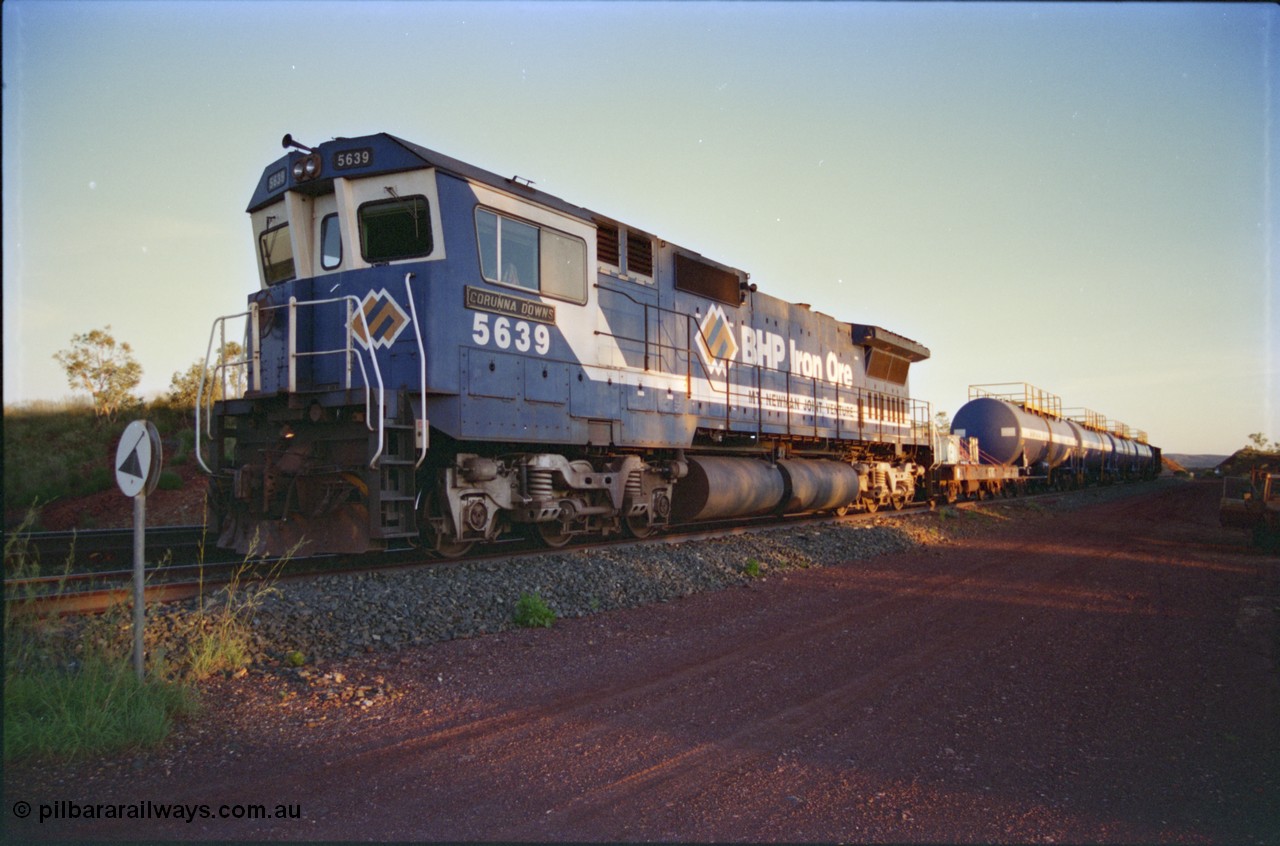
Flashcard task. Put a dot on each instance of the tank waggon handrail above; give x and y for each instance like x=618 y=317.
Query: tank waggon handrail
x=1087 y=418
x=863 y=398
x=1028 y=396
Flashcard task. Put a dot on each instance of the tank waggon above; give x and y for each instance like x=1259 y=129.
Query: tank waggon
x=439 y=354
x=1024 y=429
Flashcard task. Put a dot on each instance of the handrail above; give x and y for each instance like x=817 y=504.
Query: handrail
x=253 y=357
x=204 y=371
x=348 y=350
x=883 y=420
x=422 y=367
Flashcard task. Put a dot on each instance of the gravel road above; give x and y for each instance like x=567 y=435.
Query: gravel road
x=1103 y=673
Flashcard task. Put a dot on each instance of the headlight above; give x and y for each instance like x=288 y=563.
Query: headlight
x=306 y=168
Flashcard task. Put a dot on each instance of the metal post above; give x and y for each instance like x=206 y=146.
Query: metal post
x=139 y=567
x=138 y=462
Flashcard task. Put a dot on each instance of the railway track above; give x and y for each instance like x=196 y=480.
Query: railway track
x=97 y=587
x=108 y=579
x=104 y=549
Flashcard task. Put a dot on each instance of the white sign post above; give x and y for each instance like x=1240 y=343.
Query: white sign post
x=137 y=472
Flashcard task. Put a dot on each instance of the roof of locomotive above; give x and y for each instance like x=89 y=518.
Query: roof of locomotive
x=390 y=154
x=386 y=154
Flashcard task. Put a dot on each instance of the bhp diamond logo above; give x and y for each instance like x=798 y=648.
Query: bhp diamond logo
x=383 y=316
x=715 y=340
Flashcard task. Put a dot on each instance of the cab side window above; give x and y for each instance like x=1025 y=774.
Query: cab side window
x=537 y=258
x=275 y=249
x=330 y=242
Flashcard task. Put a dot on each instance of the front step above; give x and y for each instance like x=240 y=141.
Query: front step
x=393 y=480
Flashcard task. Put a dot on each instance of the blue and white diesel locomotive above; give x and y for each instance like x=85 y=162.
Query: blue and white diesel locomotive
x=438 y=353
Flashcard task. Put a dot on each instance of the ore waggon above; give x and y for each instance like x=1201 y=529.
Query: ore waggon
x=442 y=355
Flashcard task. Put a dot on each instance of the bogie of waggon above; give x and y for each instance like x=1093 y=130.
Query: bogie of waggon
x=438 y=353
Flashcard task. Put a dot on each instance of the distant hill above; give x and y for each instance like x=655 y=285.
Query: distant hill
x=1241 y=462
x=1196 y=462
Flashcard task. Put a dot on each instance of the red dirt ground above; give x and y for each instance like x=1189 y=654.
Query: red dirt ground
x=111 y=509
x=1086 y=676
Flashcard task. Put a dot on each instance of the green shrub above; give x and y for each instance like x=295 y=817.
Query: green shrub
x=97 y=707
x=532 y=612
x=752 y=568
x=72 y=696
x=169 y=481
x=70 y=689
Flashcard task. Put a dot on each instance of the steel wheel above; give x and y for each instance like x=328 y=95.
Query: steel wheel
x=553 y=534
x=638 y=526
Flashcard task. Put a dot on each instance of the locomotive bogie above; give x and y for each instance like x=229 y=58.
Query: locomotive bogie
x=481 y=498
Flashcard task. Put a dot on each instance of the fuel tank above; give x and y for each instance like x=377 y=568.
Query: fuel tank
x=721 y=488
x=819 y=485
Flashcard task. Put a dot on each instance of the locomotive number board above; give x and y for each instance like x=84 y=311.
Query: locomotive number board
x=348 y=159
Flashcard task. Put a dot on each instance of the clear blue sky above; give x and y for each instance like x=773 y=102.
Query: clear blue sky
x=1077 y=196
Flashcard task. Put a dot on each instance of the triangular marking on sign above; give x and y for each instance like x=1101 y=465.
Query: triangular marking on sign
x=132 y=465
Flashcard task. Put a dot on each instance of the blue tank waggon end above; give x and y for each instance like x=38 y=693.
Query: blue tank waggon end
x=442 y=355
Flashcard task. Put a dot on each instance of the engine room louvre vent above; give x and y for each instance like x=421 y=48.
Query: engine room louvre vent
x=639 y=254
x=702 y=279
x=886 y=366
x=607 y=243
